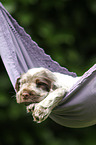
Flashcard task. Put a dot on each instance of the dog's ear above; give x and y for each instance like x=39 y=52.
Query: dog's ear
x=17 y=85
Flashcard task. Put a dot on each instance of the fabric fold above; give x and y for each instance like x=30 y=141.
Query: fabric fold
x=78 y=108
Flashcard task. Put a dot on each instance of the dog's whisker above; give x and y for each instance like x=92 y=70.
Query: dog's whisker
x=14 y=96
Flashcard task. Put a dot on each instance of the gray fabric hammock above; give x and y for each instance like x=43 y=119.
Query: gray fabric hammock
x=20 y=53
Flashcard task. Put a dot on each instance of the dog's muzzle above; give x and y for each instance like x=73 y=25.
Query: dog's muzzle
x=27 y=97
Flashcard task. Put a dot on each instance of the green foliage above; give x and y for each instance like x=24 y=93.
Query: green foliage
x=66 y=29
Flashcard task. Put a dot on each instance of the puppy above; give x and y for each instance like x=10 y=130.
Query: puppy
x=43 y=90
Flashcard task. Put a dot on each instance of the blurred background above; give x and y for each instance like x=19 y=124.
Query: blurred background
x=66 y=30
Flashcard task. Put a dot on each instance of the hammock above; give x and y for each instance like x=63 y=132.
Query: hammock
x=20 y=53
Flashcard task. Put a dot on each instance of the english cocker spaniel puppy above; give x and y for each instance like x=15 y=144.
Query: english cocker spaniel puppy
x=42 y=90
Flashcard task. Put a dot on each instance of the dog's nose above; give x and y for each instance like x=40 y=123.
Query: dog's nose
x=25 y=95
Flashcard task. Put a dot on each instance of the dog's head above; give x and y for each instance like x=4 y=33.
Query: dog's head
x=34 y=85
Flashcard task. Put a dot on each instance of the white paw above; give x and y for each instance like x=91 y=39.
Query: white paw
x=39 y=112
x=30 y=108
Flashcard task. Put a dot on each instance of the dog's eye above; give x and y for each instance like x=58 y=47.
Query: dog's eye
x=42 y=85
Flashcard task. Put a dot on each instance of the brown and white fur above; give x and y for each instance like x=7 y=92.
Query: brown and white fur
x=43 y=90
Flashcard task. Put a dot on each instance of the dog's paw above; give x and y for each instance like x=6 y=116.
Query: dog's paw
x=30 y=108
x=40 y=113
